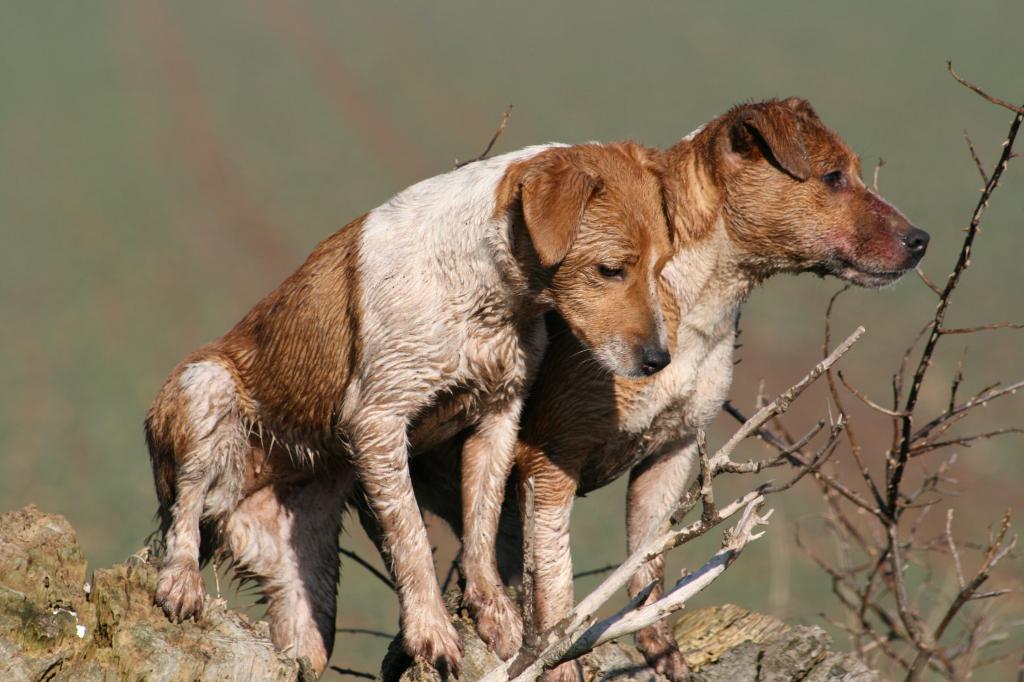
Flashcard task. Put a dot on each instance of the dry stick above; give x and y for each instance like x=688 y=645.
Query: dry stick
x=529 y=557
x=996 y=552
x=453 y=568
x=966 y=441
x=866 y=400
x=368 y=566
x=952 y=549
x=960 y=411
x=927 y=282
x=590 y=634
x=895 y=466
x=736 y=539
x=353 y=673
x=594 y=571
x=366 y=631
x=494 y=138
x=855 y=448
x=878 y=167
x=995 y=100
x=831 y=483
x=981 y=328
x=974 y=155
x=556 y=641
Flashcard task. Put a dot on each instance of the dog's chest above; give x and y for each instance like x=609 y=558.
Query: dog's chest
x=492 y=371
x=667 y=408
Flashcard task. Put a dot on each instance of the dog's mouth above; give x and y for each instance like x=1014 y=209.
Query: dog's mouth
x=862 y=274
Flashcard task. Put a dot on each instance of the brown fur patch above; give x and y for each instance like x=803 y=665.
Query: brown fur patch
x=297 y=348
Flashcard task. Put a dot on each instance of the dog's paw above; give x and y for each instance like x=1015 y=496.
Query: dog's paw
x=180 y=592
x=570 y=671
x=430 y=635
x=662 y=653
x=497 y=620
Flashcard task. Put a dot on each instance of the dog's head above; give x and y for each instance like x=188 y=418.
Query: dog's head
x=599 y=239
x=795 y=200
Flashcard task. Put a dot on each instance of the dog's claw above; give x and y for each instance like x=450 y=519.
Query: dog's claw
x=497 y=620
x=180 y=592
x=434 y=639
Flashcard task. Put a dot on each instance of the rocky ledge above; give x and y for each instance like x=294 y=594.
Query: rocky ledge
x=58 y=623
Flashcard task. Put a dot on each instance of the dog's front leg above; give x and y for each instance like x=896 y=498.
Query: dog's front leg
x=381 y=457
x=487 y=457
x=656 y=486
x=554 y=492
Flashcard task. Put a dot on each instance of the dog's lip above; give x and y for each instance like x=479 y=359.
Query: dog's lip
x=893 y=275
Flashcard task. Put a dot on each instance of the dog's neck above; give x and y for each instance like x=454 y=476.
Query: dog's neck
x=709 y=274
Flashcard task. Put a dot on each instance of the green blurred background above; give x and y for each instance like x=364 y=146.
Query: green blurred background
x=163 y=165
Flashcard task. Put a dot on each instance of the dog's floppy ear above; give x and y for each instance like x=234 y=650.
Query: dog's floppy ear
x=554 y=191
x=775 y=130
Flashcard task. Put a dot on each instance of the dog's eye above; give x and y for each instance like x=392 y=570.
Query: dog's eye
x=611 y=271
x=835 y=179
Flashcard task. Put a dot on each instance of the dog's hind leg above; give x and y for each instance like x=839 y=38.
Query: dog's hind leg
x=209 y=438
x=286 y=537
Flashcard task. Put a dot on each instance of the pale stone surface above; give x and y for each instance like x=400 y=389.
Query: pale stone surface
x=52 y=627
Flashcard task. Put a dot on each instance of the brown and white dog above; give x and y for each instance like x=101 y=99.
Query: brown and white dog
x=766 y=188
x=414 y=322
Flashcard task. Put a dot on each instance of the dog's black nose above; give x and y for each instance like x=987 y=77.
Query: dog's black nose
x=916 y=241
x=653 y=359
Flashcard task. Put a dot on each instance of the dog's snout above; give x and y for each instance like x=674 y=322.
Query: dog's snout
x=653 y=359
x=916 y=241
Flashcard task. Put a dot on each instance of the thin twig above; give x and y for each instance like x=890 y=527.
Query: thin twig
x=990 y=98
x=365 y=631
x=952 y=549
x=368 y=566
x=529 y=558
x=927 y=282
x=494 y=138
x=866 y=400
x=895 y=466
x=878 y=167
x=981 y=328
x=595 y=571
x=977 y=160
x=353 y=673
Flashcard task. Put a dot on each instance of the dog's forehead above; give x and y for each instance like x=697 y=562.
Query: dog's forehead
x=825 y=147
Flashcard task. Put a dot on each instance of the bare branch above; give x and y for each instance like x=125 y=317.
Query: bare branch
x=595 y=571
x=896 y=465
x=966 y=441
x=628 y=620
x=494 y=138
x=368 y=566
x=982 y=328
x=977 y=160
x=781 y=404
x=867 y=401
x=735 y=540
x=927 y=282
x=990 y=98
x=953 y=551
x=353 y=673
x=878 y=167
x=529 y=558
x=996 y=552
